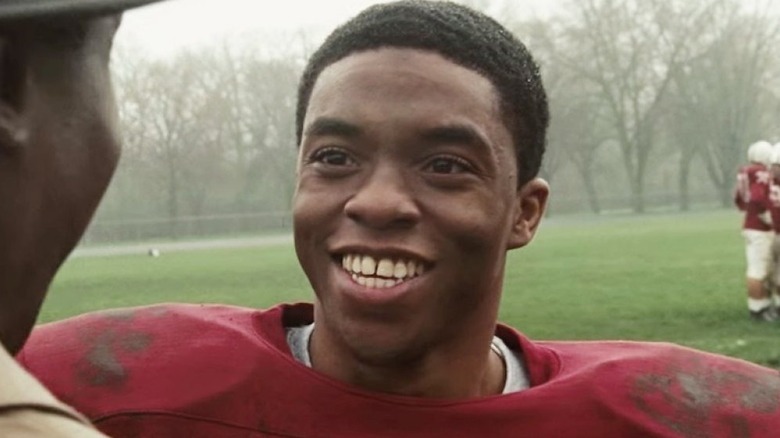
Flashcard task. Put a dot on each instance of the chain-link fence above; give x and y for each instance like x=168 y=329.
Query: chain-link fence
x=188 y=228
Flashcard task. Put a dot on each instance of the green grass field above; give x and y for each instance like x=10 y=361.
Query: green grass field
x=676 y=278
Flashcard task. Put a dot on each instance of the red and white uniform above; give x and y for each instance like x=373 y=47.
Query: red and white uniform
x=772 y=204
x=751 y=195
x=220 y=371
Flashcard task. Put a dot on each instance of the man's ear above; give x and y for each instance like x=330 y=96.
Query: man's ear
x=529 y=210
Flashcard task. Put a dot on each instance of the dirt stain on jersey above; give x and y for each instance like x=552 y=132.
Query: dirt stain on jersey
x=101 y=365
x=691 y=396
x=107 y=341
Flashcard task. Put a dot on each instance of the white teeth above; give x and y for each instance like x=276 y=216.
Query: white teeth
x=411 y=267
x=399 y=271
x=367 y=265
x=385 y=268
x=366 y=271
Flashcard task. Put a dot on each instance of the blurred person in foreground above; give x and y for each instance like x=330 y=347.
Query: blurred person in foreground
x=750 y=197
x=58 y=150
x=421 y=130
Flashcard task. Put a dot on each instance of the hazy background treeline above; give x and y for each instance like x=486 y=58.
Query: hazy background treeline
x=653 y=104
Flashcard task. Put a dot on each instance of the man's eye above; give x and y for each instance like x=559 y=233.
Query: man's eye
x=448 y=165
x=331 y=157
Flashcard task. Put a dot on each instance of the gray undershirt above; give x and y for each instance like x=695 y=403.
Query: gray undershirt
x=516 y=375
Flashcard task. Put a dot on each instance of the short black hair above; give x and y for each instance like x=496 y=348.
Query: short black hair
x=463 y=36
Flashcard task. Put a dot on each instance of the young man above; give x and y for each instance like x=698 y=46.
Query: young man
x=58 y=149
x=421 y=128
x=751 y=196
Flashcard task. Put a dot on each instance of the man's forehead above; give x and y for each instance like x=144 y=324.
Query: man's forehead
x=415 y=67
x=32 y=9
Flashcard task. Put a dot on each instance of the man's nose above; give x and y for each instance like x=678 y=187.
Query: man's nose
x=385 y=200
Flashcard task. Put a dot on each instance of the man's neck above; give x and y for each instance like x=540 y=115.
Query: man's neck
x=441 y=373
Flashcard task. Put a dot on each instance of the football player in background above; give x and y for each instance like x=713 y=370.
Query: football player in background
x=773 y=205
x=750 y=196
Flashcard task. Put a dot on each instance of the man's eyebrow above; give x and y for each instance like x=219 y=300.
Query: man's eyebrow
x=456 y=133
x=332 y=126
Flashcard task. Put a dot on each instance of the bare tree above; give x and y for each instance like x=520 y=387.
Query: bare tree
x=171 y=130
x=721 y=97
x=206 y=126
x=578 y=126
x=270 y=92
x=628 y=49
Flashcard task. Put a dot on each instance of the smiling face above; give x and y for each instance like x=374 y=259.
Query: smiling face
x=406 y=204
x=58 y=150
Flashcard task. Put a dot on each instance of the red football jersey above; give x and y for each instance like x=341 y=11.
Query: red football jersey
x=773 y=204
x=751 y=195
x=220 y=371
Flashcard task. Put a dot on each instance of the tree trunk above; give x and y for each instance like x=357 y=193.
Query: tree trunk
x=586 y=172
x=683 y=181
x=638 y=193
